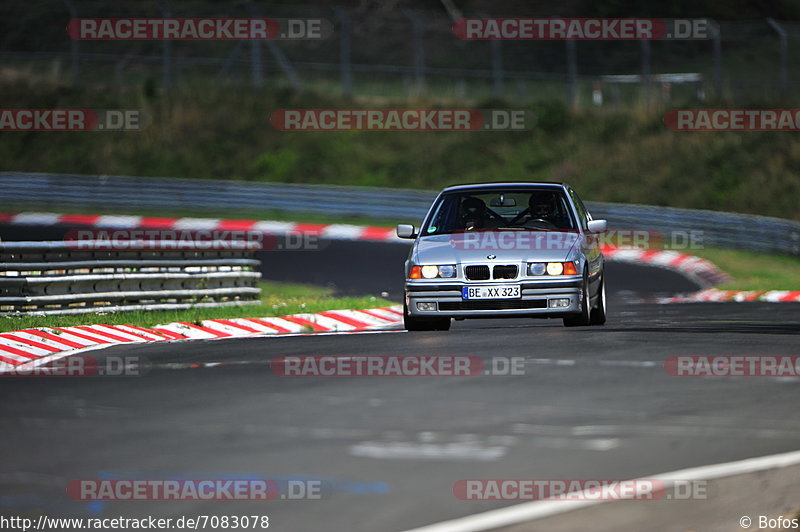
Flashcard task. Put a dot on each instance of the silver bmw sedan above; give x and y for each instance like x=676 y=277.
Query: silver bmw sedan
x=508 y=249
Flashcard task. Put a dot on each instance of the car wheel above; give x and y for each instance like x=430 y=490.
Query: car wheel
x=424 y=324
x=598 y=316
x=584 y=317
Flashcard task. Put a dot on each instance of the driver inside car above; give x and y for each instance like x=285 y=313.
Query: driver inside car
x=542 y=206
x=473 y=214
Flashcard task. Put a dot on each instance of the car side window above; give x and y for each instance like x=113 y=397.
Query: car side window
x=583 y=215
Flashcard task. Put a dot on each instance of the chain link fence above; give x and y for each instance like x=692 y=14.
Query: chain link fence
x=401 y=53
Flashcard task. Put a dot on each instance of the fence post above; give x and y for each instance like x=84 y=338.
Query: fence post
x=418 y=45
x=166 y=50
x=227 y=66
x=284 y=63
x=497 y=67
x=256 y=63
x=497 y=64
x=716 y=35
x=345 y=46
x=73 y=46
x=646 y=72
x=572 y=74
x=784 y=67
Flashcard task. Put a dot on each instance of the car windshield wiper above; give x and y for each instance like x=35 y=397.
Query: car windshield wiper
x=517 y=228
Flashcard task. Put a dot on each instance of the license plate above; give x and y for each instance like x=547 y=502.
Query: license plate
x=491 y=292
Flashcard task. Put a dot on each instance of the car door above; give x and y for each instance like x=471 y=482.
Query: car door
x=589 y=245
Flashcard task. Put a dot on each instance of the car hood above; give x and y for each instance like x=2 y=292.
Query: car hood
x=509 y=246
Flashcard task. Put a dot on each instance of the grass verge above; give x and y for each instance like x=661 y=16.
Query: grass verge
x=277 y=299
x=754 y=271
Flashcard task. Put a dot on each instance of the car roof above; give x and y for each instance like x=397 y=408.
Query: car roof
x=503 y=184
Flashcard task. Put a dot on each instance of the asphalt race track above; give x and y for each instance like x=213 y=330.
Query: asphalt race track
x=593 y=402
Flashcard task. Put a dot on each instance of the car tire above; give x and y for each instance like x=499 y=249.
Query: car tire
x=584 y=317
x=422 y=324
x=598 y=314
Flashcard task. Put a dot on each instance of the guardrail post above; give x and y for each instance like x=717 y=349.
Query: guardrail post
x=73 y=46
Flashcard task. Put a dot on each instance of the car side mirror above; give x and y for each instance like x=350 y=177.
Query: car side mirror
x=597 y=226
x=406 y=231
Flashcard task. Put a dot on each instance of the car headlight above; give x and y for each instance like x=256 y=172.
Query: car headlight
x=552 y=268
x=555 y=268
x=432 y=272
x=536 y=268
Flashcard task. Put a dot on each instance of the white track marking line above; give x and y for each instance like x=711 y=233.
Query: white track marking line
x=427 y=451
x=530 y=511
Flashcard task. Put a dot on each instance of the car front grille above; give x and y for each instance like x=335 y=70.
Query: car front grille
x=505 y=272
x=477 y=273
x=493 y=304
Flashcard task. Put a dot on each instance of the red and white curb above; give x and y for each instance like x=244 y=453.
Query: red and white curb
x=29 y=346
x=270 y=227
x=715 y=295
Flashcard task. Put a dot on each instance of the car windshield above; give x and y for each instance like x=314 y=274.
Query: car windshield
x=527 y=209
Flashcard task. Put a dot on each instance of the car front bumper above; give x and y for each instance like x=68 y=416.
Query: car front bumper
x=534 y=301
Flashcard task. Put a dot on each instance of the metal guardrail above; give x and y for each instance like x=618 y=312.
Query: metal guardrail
x=107 y=192
x=65 y=278
x=714 y=229
x=104 y=193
